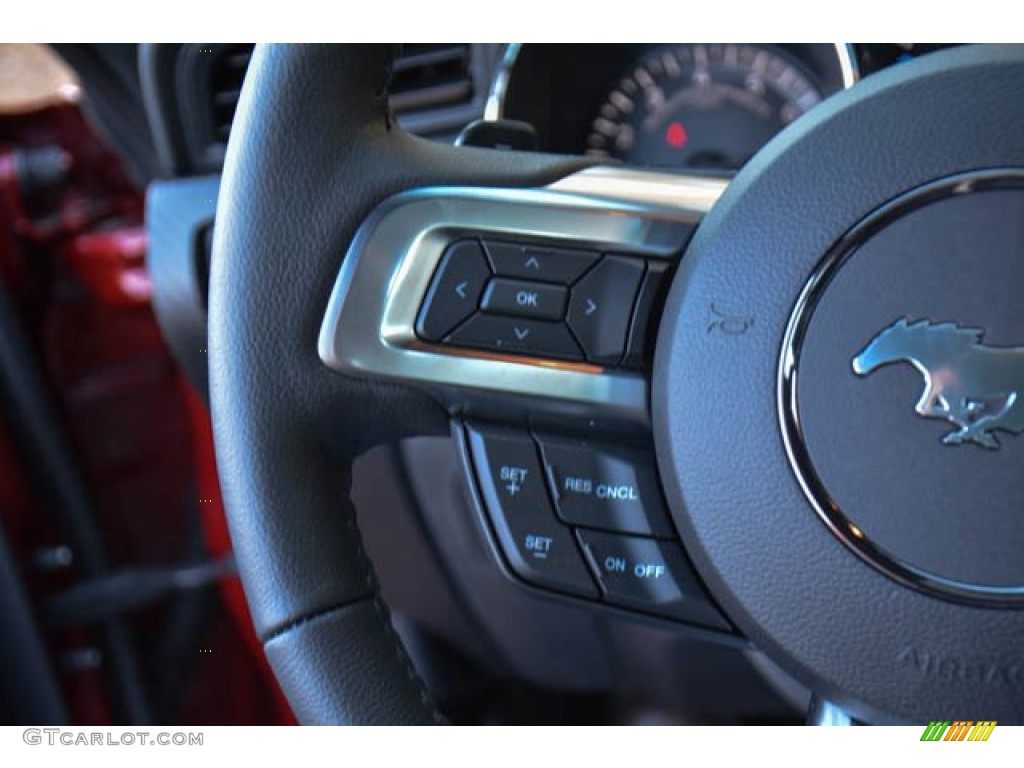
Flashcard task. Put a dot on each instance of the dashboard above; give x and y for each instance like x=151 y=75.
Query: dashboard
x=699 y=107
x=692 y=106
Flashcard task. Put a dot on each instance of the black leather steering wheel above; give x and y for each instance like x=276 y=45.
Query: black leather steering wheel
x=831 y=525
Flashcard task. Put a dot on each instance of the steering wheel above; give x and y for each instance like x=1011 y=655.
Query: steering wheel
x=369 y=285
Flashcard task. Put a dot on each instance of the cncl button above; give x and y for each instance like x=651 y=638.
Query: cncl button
x=617 y=492
x=649 y=575
x=602 y=486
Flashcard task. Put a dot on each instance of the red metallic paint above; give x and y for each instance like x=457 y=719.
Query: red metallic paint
x=74 y=260
x=112 y=264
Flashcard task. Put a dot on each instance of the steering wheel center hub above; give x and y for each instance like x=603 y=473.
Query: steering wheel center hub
x=901 y=389
x=827 y=354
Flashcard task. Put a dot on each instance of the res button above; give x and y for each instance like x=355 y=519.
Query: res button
x=602 y=486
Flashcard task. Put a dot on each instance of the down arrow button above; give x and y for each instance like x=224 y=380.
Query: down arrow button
x=602 y=305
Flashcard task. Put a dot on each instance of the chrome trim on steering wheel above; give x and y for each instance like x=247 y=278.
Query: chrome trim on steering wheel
x=825 y=713
x=847 y=64
x=494 y=107
x=369 y=325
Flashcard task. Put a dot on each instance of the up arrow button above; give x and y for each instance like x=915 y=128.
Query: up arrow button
x=561 y=266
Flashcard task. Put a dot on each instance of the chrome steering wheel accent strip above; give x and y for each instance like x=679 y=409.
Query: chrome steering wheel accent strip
x=825 y=713
x=368 y=328
x=847 y=63
x=494 y=107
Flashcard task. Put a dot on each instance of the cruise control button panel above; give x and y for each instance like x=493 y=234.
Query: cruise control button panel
x=609 y=540
x=649 y=575
x=605 y=487
x=544 y=301
x=538 y=548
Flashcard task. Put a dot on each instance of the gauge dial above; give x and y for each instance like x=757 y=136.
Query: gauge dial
x=697 y=106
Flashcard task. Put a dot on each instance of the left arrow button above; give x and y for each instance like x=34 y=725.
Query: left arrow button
x=455 y=291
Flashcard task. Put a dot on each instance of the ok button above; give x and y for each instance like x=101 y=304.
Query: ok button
x=523 y=298
x=526 y=298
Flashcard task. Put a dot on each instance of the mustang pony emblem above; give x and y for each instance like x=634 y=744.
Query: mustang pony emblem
x=976 y=387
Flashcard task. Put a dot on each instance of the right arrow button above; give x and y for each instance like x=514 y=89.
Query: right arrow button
x=602 y=305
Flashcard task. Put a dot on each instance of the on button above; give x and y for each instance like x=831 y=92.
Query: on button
x=649 y=575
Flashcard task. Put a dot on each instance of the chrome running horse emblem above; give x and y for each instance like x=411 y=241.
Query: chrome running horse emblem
x=975 y=387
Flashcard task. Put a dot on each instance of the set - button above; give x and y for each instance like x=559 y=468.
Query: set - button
x=539 y=549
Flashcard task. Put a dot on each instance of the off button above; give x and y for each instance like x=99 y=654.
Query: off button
x=607 y=487
x=649 y=575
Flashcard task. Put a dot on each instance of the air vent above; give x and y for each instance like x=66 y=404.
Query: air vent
x=226 y=74
x=432 y=92
x=429 y=76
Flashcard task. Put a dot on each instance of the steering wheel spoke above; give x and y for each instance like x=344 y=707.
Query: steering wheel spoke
x=541 y=301
x=530 y=314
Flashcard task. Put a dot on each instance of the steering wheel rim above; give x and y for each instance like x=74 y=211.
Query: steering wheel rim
x=294 y=195
x=284 y=471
